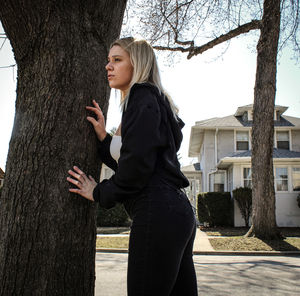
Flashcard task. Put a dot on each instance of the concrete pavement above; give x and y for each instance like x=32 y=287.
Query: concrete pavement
x=216 y=275
x=202 y=242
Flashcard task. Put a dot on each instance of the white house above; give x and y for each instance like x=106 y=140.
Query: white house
x=223 y=148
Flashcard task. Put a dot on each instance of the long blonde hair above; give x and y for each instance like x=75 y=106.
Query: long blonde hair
x=145 y=68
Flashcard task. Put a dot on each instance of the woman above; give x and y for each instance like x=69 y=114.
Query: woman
x=147 y=176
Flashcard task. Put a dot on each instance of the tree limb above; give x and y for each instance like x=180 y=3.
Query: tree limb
x=195 y=50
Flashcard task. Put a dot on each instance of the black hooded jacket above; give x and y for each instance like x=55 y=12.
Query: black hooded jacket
x=151 y=138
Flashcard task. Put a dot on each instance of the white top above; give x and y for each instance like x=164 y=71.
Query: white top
x=115 y=147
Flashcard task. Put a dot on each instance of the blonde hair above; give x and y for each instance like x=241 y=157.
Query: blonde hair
x=145 y=68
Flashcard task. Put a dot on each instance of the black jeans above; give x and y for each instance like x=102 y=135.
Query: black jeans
x=160 y=261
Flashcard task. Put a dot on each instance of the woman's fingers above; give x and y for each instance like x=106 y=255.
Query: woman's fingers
x=91 y=178
x=96 y=109
x=85 y=185
x=79 y=175
x=96 y=105
x=92 y=120
x=75 y=182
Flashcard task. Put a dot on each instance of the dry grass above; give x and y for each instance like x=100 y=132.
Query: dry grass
x=254 y=244
x=230 y=239
x=240 y=231
x=112 y=242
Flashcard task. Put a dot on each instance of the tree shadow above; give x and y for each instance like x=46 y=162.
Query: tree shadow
x=280 y=245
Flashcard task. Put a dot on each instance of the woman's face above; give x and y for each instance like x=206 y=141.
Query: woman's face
x=119 y=68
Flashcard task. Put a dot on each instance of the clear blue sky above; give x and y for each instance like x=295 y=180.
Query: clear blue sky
x=203 y=87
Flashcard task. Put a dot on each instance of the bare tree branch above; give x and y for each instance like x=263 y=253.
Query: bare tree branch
x=195 y=50
x=10 y=66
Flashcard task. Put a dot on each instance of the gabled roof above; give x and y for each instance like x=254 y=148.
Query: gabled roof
x=1 y=174
x=192 y=170
x=242 y=109
x=227 y=121
x=278 y=155
x=232 y=122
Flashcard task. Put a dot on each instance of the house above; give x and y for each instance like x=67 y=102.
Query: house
x=1 y=177
x=194 y=174
x=223 y=148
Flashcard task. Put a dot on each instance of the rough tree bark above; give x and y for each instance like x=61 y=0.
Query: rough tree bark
x=47 y=244
x=263 y=194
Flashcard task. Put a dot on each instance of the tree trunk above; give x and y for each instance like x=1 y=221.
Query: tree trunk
x=47 y=244
x=263 y=194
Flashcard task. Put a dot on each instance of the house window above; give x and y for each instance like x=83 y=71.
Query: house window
x=282 y=140
x=247 y=177
x=296 y=179
x=242 y=141
x=281 y=179
x=217 y=182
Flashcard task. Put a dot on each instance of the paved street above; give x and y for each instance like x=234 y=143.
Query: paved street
x=217 y=275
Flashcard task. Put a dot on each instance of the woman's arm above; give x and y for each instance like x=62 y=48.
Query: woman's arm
x=103 y=137
x=140 y=143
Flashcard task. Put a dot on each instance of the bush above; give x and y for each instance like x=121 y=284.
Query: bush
x=215 y=208
x=114 y=217
x=243 y=197
x=298 y=200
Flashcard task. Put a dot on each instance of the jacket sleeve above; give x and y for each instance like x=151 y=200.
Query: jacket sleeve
x=104 y=152
x=140 y=143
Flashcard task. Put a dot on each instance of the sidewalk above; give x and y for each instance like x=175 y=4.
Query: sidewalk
x=202 y=243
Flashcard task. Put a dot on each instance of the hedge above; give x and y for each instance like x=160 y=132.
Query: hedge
x=114 y=217
x=243 y=197
x=215 y=208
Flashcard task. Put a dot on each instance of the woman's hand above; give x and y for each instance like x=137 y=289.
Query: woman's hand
x=85 y=184
x=99 y=124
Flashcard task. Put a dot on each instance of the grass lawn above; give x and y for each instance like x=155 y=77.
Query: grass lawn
x=221 y=238
x=239 y=243
x=231 y=238
x=112 y=242
x=240 y=231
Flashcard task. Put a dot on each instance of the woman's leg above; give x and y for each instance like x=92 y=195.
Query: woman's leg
x=186 y=282
x=160 y=250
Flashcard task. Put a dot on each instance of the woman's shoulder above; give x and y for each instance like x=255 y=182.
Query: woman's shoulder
x=144 y=93
x=145 y=87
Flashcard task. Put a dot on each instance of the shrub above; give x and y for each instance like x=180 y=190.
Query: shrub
x=298 y=200
x=116 y=216
x=243 y=197
x=215 y=208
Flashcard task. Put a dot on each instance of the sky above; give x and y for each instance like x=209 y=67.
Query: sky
x=202 y=87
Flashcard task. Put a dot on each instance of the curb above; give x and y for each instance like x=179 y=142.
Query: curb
x=219 y=253
x=248 y=253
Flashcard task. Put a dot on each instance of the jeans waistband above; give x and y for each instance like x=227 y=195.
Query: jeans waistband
x=158 y=182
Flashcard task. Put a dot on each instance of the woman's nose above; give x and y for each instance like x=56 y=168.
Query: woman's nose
x=108 y=66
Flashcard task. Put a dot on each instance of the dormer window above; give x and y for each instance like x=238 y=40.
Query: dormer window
x=250 y=115
x=245 y=117
x=242 y=140
x=282 y=140
x=277 y=115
